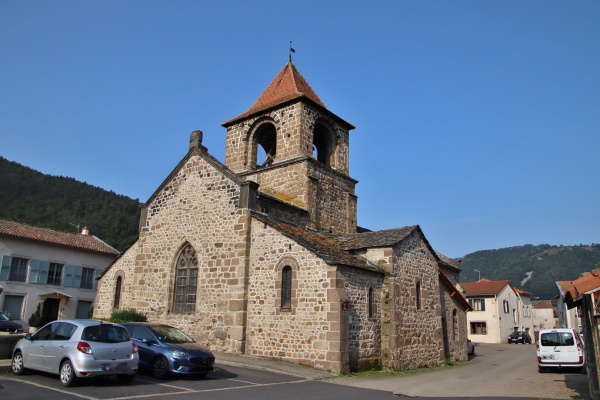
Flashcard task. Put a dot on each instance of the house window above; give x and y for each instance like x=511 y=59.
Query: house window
x=286 y=287
x=455 y=325
x=18 y=269
x=477 y=304
x=478 y=328
x=13 y=306
x=186 y=281
x=371 y=303
x=118 y=285
x=515 y=316
x=55 y=274
x=87 y=278
x=506 y=307
x=418 y=295
x=83 y=309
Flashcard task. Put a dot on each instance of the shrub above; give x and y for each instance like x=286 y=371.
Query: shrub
x=36 y=320
x=127 y=315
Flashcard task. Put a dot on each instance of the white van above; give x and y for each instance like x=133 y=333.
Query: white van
x=560 y=348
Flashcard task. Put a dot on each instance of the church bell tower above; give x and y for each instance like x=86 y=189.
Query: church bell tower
x=297 y=151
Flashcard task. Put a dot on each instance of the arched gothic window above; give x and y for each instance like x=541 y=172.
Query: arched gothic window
x=117 y=299
x=186 y=281
x=286 y=287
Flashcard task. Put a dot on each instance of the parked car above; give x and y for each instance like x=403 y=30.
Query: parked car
x=470 y=347
x=560 y=348
x=76 y=349
x=519 y=337
x=166 y=350
x=8 y=325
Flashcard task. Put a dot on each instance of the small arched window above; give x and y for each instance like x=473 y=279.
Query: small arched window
x=371 y=303
x=455 y=325
x=418 y=295
x=286 y=287
x=117 y=299
x=186 y=281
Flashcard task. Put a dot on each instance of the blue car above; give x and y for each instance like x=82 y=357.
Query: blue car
x=166 y=350
x=8 y=325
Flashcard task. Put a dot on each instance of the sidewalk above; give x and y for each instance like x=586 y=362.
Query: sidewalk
x=245 y=361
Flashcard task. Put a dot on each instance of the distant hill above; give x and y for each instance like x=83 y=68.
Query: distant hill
x=57 y=202
x=534 y=269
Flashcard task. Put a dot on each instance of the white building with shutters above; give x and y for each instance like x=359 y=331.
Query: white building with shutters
x=55 y=269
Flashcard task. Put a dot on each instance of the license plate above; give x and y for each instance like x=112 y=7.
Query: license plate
x=114 y=367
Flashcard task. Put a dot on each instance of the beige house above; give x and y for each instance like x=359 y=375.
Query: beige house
x=545 y=315
x=496 y=310
x=51 y=268
x=262 y=255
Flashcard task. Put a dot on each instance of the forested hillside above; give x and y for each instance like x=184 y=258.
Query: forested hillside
x=543 y=264
x=62 y=203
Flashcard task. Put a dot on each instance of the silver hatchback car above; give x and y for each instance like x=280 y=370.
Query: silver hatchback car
x=76 y=349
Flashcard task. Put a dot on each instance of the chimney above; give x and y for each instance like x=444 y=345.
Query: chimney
x=85 y=231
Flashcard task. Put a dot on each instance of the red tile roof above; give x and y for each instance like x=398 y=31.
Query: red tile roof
x=74 y=240
x=287 y=85
x=521 y=292
x=484 y=287
x=574 y=290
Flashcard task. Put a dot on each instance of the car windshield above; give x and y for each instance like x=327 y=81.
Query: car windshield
x=557 y=339
x=105 y=333
x=169 y=334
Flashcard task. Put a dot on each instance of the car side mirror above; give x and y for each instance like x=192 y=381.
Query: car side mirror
x=149 y=342
x=28 y=336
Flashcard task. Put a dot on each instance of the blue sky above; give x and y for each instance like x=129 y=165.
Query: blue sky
x=477 y=120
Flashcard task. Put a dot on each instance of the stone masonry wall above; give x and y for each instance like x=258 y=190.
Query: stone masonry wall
x=197 y=206
x=365 y=331
x=458 y=345
x=304 y=333
x=420 y=339
x=123 y=267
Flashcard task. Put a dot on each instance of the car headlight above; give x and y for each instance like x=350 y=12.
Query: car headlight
x=179 y=353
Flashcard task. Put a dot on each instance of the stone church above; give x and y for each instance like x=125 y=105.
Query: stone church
x=262 y=255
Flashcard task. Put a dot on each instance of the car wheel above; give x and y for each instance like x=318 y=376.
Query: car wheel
x=160 y=368
x=541 y=370
x=124 y=378
x=17 y=364
x=67 y=374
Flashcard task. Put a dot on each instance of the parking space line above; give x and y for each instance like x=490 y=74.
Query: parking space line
x=50 y=388
x=208 y=390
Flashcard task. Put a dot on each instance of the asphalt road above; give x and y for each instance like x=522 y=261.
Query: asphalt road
x=496 y=371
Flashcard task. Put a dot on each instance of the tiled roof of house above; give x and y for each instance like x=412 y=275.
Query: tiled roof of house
x=287 y=85
x=484 y=287
x=574 y=290
x=322 y=244
x=521 y=292
x=73 y=240
x=540 y=304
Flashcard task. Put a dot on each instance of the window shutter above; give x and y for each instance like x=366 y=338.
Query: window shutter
x=94 y=273
x=6 y=260
x=44 y=267
x=34 y=271
x=482 y=304
x=77 y=276
x=69 y=272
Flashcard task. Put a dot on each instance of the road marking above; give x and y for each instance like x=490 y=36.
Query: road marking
x=51 y=388
x=254 y=385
